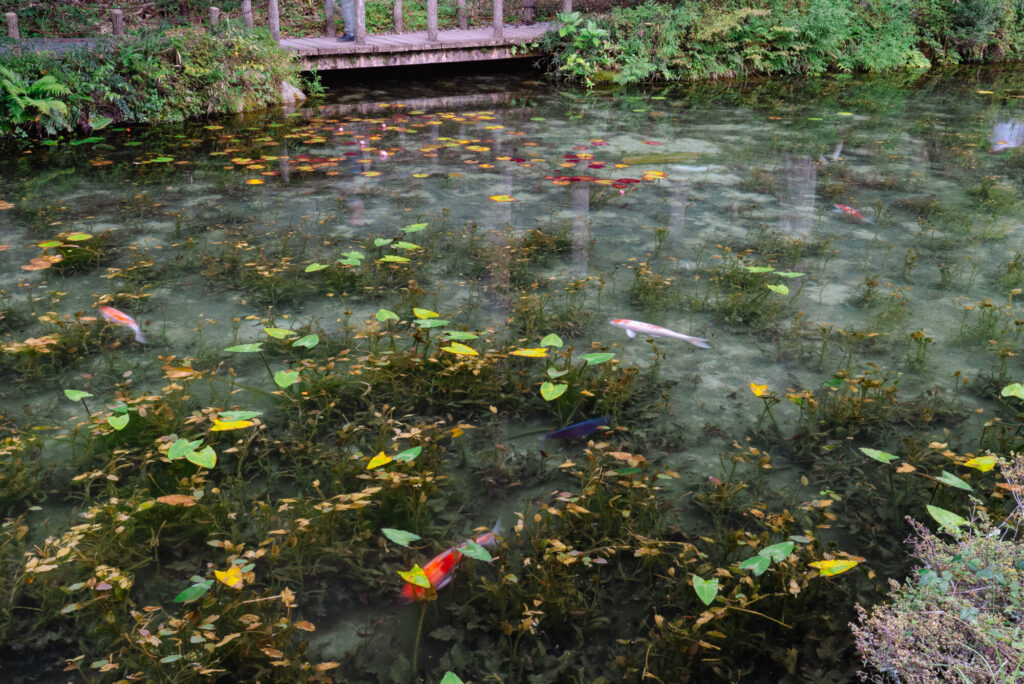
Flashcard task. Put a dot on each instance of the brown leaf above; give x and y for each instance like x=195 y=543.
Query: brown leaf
x=177 y=500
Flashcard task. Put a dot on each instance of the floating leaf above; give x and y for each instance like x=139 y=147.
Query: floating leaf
x=597 y=358
x=828 y=568
x=76 y=395
x=239 y=415
x=415 y=576
x=502 y=198
x=380 y=242
x=460 y=349
x=432 y=323
x=409 y=455
x=756 y=563
x=551 y=340
x=391 y=258
x=286 y=378
x=378 y=460
x=424 y=313
x=225 y=425
x=279 y=333
x=78 y=237
x=946 y=518
x=246 y=348
x=474 y=550
x=118 y=422
x=314 y=267
x=205 y=458
x=400 y=537
x=551 y=392
x=779 y=289
x=706 y=590
x=414 y=228
x=309 y=341
x=50 y=244
x=982 y=463
x=385 y=315
x=534 y=353
x=406 y=245
x=1014 y=389
x=759 y=269
x=789 y=274
x=232 y=577
x=777 y=552
x=880 y=456
x=459 y=335
x=954 y=481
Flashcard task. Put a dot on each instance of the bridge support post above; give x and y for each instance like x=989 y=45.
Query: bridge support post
x=567 y=6
x=499 y=19
x=361 y=22
x=274 y=19
x=247 y=13
x=397 y=17
x=117 y=22
x=432 y=21
x=463 y=19
x=214 y=16
x=528 y=11
x=329 y=29
x=12 y=26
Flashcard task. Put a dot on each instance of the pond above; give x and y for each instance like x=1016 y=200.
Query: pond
x=338 y=341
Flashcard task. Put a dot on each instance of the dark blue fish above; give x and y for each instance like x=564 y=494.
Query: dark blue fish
x=578 y=429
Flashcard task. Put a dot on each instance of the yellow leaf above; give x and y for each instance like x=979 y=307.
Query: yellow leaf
x=378 y=460
x=424 y=313
x=827 y=568
x=457 y=432
x=222 y=425
x=460 y=349
x=502 y=198
x=415 y=576
x=759 y=390
x=534 y=353
x=982 y=463
x=231 y=577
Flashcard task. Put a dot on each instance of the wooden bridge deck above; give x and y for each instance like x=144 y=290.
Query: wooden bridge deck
x=406 y=49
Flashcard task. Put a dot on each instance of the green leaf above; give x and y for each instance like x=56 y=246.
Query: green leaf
x=834 y=383
x=380 y=242
x=162 y=160
x=206 y=458
x=789 y=274
x=194 y=592
x=118 y=422
x=400 y=537
x=759 y=269
x=778 y=289
x=627 y=471
x=286 y=378
x=239 y=415
x=554 y=373
x=385 y=315
x=406 y=245
x=706 y=590
x=181 y=447
x=551 y=340
x=880 y=456
x=309 y=341
x=246 y=348
x=424 y=313
x=596 y=358
x=314 y=267
x=279 y=333
x=954 y=481
x=414 y=228
x=354 y=255
x=1014 y=389
x=947 y=519
x=392 y=259
x=756 y=563
x=409 y=455
x=777 y=552
x=76 y=395
x=474 y=550
x=459 y=335
x=451 y=678
x=551 y=392
x=171 y=658
x=432 y=323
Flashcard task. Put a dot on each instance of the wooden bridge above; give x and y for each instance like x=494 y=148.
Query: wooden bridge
x=433 y=46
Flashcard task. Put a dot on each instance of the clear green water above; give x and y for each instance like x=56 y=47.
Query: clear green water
x=665 y=207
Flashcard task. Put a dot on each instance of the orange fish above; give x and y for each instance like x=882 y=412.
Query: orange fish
x=442 y=568
x=850 y=211
x=121 y=318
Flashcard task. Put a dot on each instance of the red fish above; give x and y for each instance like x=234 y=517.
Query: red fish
x=442 y=568
x=121 y=318
x=850 y=211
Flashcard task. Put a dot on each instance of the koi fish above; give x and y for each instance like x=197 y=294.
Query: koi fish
x=121 y=318
x=578 y=429
x=442 y=568
x=634 y=327
x=850 y=211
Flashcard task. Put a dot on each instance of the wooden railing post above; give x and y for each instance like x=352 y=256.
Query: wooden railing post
x=361 y=22
x=396 y=15
x=247 y=13
x=274 y=19
x=499 y=19
x=432 y=20
x=567 y=6
x=528 y=11
x=463 y=19
x=329 y=17
x=117 y=22
x=12 y=26
x=214 y=16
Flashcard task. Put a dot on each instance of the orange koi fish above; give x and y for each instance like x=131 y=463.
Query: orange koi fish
x=634 y=327
x=121 y=318
x=850 y=211
x=442 y=568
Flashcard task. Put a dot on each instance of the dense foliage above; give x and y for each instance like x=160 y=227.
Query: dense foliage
x=172 y=76
x=699 y=40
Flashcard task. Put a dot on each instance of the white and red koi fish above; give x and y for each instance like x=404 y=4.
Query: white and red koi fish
x=442 y=568
x=633 y=328
x=851 y=212
x=121 y=318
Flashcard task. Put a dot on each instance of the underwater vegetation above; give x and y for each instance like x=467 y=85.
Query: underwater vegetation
x=525 y=386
